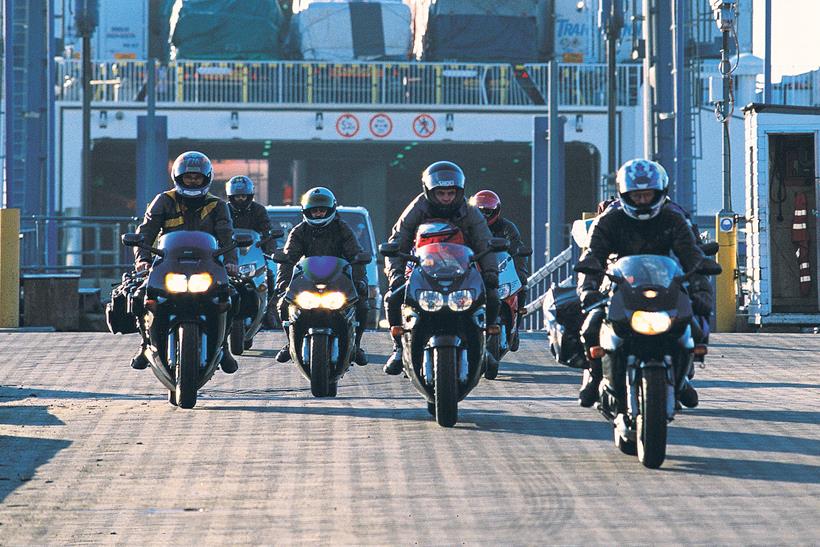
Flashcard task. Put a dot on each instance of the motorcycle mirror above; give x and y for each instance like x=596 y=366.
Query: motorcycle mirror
x=280 y=257
x=132 y=240
x=362 y=258
x=615 y=277
x=243 y=240
x=589 y=266
x=710 y=248
x=498 y=244
x=525 y=250
x=709 y=267
x=389 y=249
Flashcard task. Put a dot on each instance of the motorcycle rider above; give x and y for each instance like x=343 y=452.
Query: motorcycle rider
x=442 y=198
x=645 y=223
x=489 y=204
x=189 y=206
x=322 y=233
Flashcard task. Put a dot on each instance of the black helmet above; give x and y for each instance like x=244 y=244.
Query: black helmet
x=315 y=198
x=443 y=174
x=192 y=162
x=239 y=186
x=641 y=174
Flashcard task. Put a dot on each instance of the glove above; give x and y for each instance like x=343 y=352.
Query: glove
x=591 y=297
x=490 y=280
x=232 y=269
x=141 y=266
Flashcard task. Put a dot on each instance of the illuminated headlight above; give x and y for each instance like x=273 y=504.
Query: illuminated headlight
x=308 y=300
x=176 y=283
x=460 y=300
x=333 y=300
x=199 y=282
x=430 y=300
x=504 y=290
x=647 y=322
x=247 y=270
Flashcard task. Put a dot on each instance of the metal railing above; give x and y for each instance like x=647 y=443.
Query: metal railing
x=89 y=246
x=378 y=83
x=557 y=271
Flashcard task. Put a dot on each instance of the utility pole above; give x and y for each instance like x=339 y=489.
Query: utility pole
x=86 y=16
x=611 y=22
x=725 y=224
x=767 y=56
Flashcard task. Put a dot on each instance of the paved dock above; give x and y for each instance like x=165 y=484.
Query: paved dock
x=93 y=454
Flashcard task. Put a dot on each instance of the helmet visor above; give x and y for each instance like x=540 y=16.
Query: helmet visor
x=316 y=213
x=444 y=179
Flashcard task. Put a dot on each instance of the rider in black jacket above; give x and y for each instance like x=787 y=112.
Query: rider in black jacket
x=245 y=212
x=442 y=198
x=489 y=204
x=189 y=206
x=644 y=224
x=322 y=233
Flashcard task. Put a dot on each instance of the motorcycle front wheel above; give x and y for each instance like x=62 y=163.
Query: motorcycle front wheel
x=319 y=365
x=651 y=424
x=188 y=348
x=446 y=386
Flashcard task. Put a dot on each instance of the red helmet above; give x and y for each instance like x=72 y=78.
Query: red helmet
x=488 y=203
x=438 y=231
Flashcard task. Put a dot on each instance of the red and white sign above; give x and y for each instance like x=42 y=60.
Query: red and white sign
x=347 y=125
x=381 y=125
x=424 y=126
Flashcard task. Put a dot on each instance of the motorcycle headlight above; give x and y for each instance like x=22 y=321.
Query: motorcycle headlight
x=504 y=290
x=333 y=300
x=650 y=322
x=460 y=300
x=247 y=270
x=308 y=300
x=199 y=282
x=430 y=300
x=176 y=283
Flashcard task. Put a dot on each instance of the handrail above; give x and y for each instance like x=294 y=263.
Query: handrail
x=558 y=270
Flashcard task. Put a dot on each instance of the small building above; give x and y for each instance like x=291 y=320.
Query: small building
x=782 y=202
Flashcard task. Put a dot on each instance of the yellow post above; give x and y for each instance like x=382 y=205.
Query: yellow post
x=9 y=268
x=725 y=297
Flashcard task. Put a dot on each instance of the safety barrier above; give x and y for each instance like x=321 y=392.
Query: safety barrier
x=558 y=270
x=89 y=246
x=378 y=83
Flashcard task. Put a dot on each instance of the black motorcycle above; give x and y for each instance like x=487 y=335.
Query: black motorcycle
x=186 y=309
x=322 y=323
x=252 y=285
x=444 y=323
x=647 y=348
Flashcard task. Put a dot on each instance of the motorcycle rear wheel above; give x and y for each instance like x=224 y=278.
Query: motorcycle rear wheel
x=188 y=342
x=651 y=424
x=237 y=337
x=446 y=386
x=319 y=365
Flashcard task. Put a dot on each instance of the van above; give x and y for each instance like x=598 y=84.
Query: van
x=288 y=216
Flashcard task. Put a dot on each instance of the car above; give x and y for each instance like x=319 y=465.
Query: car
x=288 y=216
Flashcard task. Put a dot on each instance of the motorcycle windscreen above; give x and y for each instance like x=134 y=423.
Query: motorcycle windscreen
x=193 y=244
x=321 y=269
x=444 y=260
x=642 y=270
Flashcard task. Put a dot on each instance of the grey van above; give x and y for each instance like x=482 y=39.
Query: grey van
x=288 y=216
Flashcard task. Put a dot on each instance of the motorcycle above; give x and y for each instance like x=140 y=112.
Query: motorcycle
x=562 y=321
x=322 y=323
x=509 y=291
x=443 y=321
x=252 y=286
x=647 y=349
x=186 y=309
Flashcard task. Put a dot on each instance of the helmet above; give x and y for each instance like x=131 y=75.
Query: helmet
x=640 y=174
x=239 y=186
x=488 y=203
x=443 y=174
x=192 y=162
x=315 y=198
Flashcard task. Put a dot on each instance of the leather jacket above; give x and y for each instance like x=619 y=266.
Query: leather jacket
x=253 y=217
x=467 y=218
x=170 y=213
x=334 y=239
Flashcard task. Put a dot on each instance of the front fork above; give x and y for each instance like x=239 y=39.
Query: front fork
x=634 y=378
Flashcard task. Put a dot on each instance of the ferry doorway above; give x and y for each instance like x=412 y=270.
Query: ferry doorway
x=582 y=179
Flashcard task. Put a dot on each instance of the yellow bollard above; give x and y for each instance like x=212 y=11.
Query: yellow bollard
x=726 y=297
x=9 y=268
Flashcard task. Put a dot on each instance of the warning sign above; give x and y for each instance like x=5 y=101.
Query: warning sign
x=381 y=125
x=347 y=125
x=424 y=126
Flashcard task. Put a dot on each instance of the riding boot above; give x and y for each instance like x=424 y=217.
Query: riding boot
x=140 y=361
x=359 y=356
x=228 y=363
x=588 y=394
x=394 y=364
